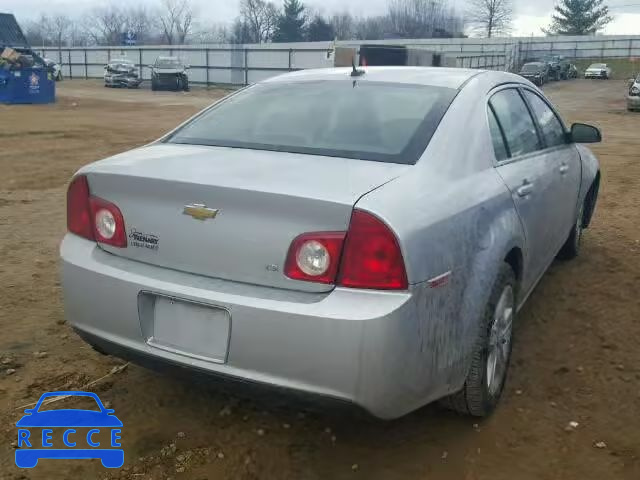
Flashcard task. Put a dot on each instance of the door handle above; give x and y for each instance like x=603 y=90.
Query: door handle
x=564 y=168
x=525 y=189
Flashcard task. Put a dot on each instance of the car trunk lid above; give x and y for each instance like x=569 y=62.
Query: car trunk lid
x=254 y=203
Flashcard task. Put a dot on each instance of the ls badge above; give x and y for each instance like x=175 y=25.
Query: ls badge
x=200 y=212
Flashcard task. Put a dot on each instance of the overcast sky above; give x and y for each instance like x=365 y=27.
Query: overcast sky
x=531 y=15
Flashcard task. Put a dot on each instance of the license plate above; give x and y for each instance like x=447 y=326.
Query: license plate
x=190 y=329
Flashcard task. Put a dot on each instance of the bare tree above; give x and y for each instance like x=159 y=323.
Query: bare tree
x=420 y=18
x=176 y=20
x=343 y=26
x=371 y=28
x=214 y=34
x=138 y=21
x=105 y=25
x=259 y=17
x=491 y=16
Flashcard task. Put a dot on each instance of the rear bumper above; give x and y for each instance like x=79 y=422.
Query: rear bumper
x=352 y=345
x=595 y=75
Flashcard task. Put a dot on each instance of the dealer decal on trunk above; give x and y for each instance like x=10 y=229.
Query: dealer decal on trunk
x=144 y=240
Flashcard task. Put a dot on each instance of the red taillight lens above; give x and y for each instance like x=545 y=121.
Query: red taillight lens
x=79 y=218
x=371 y=258
x=108 y=223
x=314 y=257
x=94 y=218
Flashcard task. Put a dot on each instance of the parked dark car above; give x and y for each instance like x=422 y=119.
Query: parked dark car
x=169 y=73
x=121 y=73
x=536 y=72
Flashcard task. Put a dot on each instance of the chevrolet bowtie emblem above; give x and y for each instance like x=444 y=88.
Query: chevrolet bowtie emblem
x=200 y=211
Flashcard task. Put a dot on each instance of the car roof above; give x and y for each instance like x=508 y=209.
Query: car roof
x=167 y=58
x=534 y=63
x=428 y=76
x=120 y=60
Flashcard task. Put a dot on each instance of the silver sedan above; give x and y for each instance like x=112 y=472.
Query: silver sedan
x=367 y=236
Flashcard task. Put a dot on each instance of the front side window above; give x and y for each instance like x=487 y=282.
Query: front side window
x=378 y=121
x=513 y=115
x=552 y=129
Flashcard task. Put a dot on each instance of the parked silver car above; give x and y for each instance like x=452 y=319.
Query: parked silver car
x=365 y=236
x=598 y=70
x=633 y=95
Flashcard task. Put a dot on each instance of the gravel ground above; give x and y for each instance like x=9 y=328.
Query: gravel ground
x=576 y=355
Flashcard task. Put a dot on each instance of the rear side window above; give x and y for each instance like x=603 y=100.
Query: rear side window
x=517 y=125
x=552 y=129
x=378 y=121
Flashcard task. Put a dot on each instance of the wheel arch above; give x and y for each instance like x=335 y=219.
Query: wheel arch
x=591 y=200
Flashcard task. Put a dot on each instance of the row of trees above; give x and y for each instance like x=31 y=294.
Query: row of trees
x=175 y=22
x=260 y=21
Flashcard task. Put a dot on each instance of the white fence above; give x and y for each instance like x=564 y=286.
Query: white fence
x=245 y=64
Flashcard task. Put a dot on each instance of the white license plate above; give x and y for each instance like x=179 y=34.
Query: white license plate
x=191 y=329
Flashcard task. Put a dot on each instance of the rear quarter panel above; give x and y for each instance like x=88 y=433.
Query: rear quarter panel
x=452 y=213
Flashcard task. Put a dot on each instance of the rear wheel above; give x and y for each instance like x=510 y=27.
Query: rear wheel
x=492 y=352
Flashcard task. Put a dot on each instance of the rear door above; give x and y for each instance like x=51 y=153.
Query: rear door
x=566 y=165
x=528 y=173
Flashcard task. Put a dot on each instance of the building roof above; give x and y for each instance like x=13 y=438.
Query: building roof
x=10 y=32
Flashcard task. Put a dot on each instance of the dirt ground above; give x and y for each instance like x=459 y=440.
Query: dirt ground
x=576 y=355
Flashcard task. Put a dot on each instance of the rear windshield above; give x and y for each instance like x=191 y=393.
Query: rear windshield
x=378 y=121
x=531 y=68
x=598 y=65
x=168 y=63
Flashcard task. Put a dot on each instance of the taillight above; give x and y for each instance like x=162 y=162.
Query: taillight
x=367 y=256
x=94 y=218
x=108 y=223
x=314 y=257
x=78 y=210
x=371 y=258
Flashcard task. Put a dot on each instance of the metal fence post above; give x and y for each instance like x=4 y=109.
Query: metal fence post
x=70 y=68
x=246 y=66
x=290 y=55
x=140 y=63
x=86 y=65
x=630 y=48
x=206 y=52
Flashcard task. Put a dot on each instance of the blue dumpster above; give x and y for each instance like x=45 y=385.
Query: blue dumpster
x=25 y=79
x=27 y=85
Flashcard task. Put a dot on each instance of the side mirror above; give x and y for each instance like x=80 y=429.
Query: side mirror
x=582 y=133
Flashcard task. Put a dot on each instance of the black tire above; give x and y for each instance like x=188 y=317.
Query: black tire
x=185 y=85
x=477 y=398
x=571 y=248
